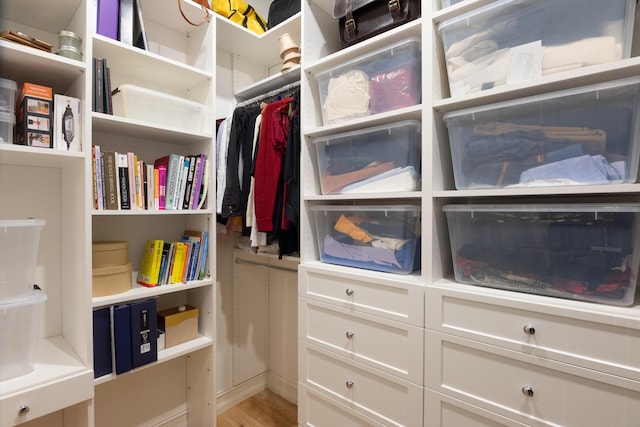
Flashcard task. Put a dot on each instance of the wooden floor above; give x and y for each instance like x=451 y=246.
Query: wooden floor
x=265 y=409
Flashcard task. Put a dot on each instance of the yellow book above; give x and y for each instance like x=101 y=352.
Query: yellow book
x=178 y=262
x=150 y=263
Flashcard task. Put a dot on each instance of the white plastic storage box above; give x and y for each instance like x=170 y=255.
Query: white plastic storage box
x=20 y=319
x=159 y=108
x=7 y=123
x=8 y=89
x=583 y=252
x=378 y=81
x=378 y=159
x=382 y=238
x=509 y=41
x=588 y=135
x=19 y=243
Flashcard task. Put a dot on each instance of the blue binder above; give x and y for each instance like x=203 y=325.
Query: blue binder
x=122 y=338
x=144 y=332
x=102 y=342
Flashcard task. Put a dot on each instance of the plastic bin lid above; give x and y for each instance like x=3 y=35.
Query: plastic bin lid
x=498 y=6
x=592 y=207
x=31 y=222
x=10 y=84
x=7 y=117
x=36 y=297
x=614 y=84
x=137 y=90
x=343 y=208
x=369 y=55
x=364 y=131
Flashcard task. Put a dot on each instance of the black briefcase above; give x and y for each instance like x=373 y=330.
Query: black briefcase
x=359 y=20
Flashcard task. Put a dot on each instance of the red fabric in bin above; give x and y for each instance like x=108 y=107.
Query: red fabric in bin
x=394 y=89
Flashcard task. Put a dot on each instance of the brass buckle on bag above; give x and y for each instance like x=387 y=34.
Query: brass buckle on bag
x=394 y=7
x=350 y=26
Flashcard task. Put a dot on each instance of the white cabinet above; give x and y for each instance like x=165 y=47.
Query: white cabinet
x=51 y=185
x=360 y=331
x=58 y=187
x=495 y=357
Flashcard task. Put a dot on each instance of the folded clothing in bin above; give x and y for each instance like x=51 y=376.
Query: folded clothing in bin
x=556 y=251
x=374 y=238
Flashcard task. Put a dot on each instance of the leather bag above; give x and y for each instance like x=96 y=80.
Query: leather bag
x=281 y=10
x=359 y=20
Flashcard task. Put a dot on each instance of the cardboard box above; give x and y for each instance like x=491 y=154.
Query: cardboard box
x=34 y=113
x=109 y=253
x=180 y=324
x=112 y=280
x=67 y=132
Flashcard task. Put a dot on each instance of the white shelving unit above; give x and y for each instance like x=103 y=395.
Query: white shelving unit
x=57 y=186
x=578 y=347
x=338 y=376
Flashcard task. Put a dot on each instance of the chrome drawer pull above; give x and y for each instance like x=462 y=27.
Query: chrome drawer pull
x=23 y=410
x=349 y=291
x=349 y=384
x=349 y=334
x=527 y=390
x=529 y=330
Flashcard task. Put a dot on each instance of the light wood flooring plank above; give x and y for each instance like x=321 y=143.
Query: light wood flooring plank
x=264 y=409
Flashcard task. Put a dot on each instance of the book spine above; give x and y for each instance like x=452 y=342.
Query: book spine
x=162 y=187
x=203 y=260
x=199 y=174
x=98 y=177
x=186 y=200
x=183 y=182
x=108 y=14
x=105 y=87
x=111 y=170
x=95 y=177
x=123 y=176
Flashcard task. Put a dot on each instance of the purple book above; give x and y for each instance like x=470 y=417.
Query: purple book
x=108 y=15
x=198 y=182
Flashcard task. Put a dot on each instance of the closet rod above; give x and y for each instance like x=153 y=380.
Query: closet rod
x=268 y=94
x=268 y=267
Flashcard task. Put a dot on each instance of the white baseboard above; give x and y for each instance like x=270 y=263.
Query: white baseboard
x=237 y=394
x=282 y=388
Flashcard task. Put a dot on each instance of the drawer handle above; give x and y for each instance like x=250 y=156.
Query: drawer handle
x=349 y=384
x=527 y=390
x=349 y=334
x=529 y=330
x=23 y=410
x=349 y=291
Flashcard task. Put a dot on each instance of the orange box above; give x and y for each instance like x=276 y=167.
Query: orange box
x=34 y=115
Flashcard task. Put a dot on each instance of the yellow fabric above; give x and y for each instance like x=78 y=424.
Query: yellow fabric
x=241 y=13
x=348 y=226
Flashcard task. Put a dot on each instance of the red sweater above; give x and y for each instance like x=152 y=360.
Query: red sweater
x=271 y=149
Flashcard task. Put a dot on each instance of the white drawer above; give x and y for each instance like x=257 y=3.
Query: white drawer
x=600 y=342
x=385 y=398
x=386 y=296
x=317 y=410
x=445 y=411
x=390 y=346
x=498 y=380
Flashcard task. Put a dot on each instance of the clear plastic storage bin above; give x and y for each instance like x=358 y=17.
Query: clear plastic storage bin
x=510 y=41
x=8 y=89
x=584 y=252
x=447 y=3
x=588 y=135
x=159 y=108
x=7 y=123
x=373 y=160
x=19 y=243
x=378 y=81
x=20 y=319
x=382 y=238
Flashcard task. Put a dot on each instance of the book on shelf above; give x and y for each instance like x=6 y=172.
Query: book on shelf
x=186 y=198
x=204 y=190
x=203 y=256
x=94 y=167
x=178 y=262
x=196 y=237
x=125 y=23
x=131 y=174
x=139 y=32
x=182 y=179
x=172 y=163
x=111 y=180
x=164 y=263
x=104 y=179
x=107 y=18
x=162 y=187
x=98 y=86
x=97 y=185
x=123 y=176
x=195 y=193
x=149 y=270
